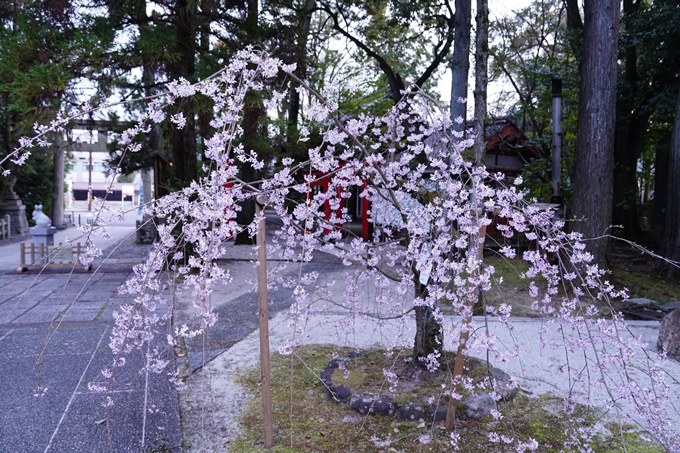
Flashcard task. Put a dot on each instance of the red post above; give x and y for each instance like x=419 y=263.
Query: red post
x=365 y=205
x=326 y=204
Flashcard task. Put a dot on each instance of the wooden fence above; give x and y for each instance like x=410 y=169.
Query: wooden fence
x=37 y=254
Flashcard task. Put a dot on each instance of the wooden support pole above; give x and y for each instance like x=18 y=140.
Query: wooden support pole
x=462 y=340
x=23 y=254
x=264 y=325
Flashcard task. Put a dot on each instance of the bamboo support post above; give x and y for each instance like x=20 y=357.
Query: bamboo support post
x=264 y=326
x=32 y=253
x=23 y=254
x=462 y=341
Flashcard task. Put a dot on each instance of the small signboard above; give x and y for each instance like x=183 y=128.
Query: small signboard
x=61 y=254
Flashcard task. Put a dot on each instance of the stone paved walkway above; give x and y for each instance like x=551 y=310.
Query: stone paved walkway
x=55 y=326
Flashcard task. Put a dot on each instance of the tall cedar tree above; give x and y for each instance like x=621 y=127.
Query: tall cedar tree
x=594 y=168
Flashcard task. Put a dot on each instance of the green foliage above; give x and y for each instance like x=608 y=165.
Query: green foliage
x=533 y=46
x=34 y=182
x=43 y=51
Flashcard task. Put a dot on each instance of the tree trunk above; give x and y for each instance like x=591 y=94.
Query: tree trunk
x=574 y=21
x=460 y=62
x=154 y=137
x=594 y=167
x=183 y=141
x=58 y=201
x=301 y=69
x=429 y=335
x=481 y=78
x=630 y=134
x=574 y=28
x=253 y=112
x=662 y=157
x=670 y=244
x=631 y=126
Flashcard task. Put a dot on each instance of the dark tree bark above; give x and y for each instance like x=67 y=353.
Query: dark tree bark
x=253 y=112
x=630 y=141
x=574 y=21
x=301 y=69
x=661 y=160
x=575 y=28
x=593 y=179
x=481 y=78
x=183 y=141
x=429 y=335
x=670 y=244
x=460 y=61
x=631 y=126
x=154 y=136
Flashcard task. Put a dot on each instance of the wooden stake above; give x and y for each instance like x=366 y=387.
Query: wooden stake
x=264 y=326
x=462 y=340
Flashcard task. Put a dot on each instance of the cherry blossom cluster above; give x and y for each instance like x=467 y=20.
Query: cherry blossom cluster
x=430 y=206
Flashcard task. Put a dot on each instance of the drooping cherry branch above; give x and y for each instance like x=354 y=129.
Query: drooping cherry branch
x=428 y=205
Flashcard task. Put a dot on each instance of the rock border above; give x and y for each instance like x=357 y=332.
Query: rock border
x=473 y=407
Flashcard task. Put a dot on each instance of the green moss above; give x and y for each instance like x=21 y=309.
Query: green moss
x=309 y=422
x=628 y=435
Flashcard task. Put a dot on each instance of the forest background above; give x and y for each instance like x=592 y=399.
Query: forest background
x=58 y=55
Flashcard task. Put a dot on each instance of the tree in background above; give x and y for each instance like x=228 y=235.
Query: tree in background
x=460 y=62
x=530 y=47
x=44 y=52
x=670 y=245
x=648 y=80
x=481 y=78
x=594 y=159
x=405 y=55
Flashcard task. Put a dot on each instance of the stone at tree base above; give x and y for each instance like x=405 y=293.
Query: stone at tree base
x=438 y=413
x=476 y=406
x=410 y=412
x=368 y=403
x=330 y=388
x=641 y=302
x=501 y=384
x=669 y=334
x=672 y=305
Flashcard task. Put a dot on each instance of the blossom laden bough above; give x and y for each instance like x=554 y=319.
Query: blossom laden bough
x=429 y=204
